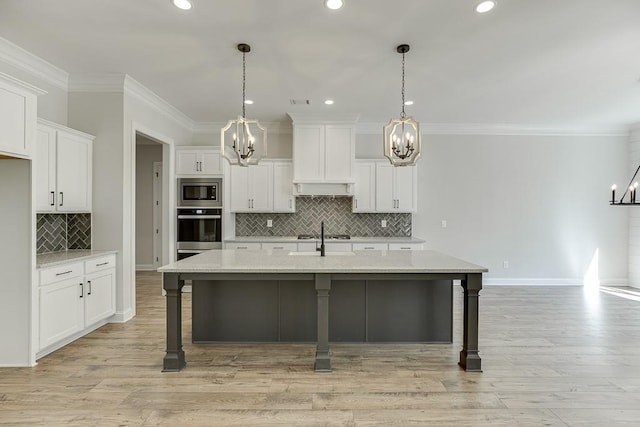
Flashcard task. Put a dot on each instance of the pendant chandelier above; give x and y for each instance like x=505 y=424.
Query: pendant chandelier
x=243 y=141
x=401 y=137
x=630 y=190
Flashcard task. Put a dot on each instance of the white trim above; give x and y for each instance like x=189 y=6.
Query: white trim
x=22 y=85
x=142 y=93
x=145 y=267
x=97 y=82
x=66 y=129
x=20 y=58
x=329 y=119
x=532 y=282
x=157 y=214
x=500 y=129
x=122 y=316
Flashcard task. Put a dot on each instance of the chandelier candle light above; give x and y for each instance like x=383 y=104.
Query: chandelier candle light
x=248 y=142
x=632 y=188
x=401 y=142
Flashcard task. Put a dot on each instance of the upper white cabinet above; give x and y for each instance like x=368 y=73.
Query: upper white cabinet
x=364 y=198
x=198 y=161
x=323 y=153
x=63 y=169
x=396 y=188
x=252 y=188
x=18 y=110
x=283 y=198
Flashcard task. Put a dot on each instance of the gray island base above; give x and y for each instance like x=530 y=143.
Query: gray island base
x=372 y=296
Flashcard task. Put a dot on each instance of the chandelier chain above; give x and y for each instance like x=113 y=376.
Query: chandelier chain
x=403 y=114
x=244 y=66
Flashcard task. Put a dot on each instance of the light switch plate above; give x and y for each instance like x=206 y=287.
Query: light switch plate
x=383 y=223
x=269 y=223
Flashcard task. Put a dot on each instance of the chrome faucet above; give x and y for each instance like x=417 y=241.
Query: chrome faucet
x=321 y=248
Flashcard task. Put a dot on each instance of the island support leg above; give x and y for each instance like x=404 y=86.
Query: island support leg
x=174 y=359
x=469 y=357
x=323 y=356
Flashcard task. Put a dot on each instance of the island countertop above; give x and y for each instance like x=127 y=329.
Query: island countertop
x=278 y=261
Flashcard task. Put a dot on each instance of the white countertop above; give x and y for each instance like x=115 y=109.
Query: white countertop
x=278 y=261
x=294 y=239
x=63 y=257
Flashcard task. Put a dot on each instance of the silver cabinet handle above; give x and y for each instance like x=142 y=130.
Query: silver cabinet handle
x=198 y=216
x=290 y=204
x=278 y=247
x=64 y=272
x=404 y=248
x=89 y=293
x=249 y=203
x=102 y=263
x=242 y=247
x=61 y=198
x=368 y=247
x=53 y=196
x=356 y=200
x=81 y=290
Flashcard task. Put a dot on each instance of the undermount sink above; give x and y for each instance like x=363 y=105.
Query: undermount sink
x=318 y=253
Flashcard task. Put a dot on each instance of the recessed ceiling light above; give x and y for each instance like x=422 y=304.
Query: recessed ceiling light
x=333 y=4
x=182 y=4
x=329 y=102
x=485 y=6
x=248 y=102
x=408 y=103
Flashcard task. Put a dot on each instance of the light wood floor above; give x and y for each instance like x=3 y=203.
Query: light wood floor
x=551 y=356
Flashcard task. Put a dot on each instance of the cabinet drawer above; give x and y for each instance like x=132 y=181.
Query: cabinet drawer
x=242 y=246
x=337 y=247
x=308 y=246
x=61 y=272
x=102 y=263
x=405 y=246
x=370 y=247
x=281 y=246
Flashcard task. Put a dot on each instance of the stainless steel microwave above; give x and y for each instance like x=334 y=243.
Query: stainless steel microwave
x=200 y=192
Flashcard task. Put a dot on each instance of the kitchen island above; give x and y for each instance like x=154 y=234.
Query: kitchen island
x=267 y=288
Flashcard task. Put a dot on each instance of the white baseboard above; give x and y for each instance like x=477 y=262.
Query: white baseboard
x=615 y=282
x=532 y=282
x=11 y=365
x=145 y=267
x=122 y=316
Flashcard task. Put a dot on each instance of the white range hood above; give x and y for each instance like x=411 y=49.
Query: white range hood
x=323 y=188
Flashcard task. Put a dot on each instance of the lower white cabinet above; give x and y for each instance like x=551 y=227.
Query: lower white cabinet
x=242 y=246
x=74 y=299
x=288 y=246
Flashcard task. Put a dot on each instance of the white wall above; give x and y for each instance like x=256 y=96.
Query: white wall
x=279 y=141
x=16 y=254
x=634 y=212
x=146 y=155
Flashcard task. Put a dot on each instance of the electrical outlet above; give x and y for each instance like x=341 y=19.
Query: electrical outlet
x=269 y=223
x=383 y=223
x=505 y=265
x=443 y=223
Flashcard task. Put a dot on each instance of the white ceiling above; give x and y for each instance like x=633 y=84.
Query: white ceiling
x=544 y=63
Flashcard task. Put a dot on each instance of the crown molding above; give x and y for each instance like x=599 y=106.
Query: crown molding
x=97 y=82
x=22 y=59
x=302 y=118
x=500 y=130
x=24 y=85
x=273 y=128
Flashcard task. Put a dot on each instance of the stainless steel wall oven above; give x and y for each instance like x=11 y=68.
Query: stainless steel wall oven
x=199 y=230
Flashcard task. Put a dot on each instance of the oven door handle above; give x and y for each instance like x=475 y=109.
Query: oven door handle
x=199 y=216
x=191 y=251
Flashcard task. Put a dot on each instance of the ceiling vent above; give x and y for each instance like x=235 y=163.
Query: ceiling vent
x=300 y=101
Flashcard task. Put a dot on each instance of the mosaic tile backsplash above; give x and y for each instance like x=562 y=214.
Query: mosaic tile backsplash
x=336 y=214
x=60 y=232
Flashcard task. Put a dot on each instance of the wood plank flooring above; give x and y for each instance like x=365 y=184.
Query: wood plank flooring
x=553 y=356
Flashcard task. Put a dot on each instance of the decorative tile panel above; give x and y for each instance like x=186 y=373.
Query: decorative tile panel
x=336 y=214
x=60 y=232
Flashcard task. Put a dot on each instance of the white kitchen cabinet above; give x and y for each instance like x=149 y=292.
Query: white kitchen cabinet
x=323 y=153
x=63 y=169
x=405 y=246
x=18 y=110
x=337 y=247
x=396 y=188
x=243 y=246
x=283 y=199
x=198 y=162
x=252 y=188
x=74 y=299
x=364 y=198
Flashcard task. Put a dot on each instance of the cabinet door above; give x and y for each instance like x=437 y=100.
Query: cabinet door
x=404 y=188
x=364 y=198
x=308 y=153
x=100 y=297
x=187 y=162
x=283 y=199
x=73 y=173
x=16 y=111
x=385 y=201
x=261 y=187
x=339 y=153
x=210 y=162
x=61 y=311
x=240 y=189
x=45 y=169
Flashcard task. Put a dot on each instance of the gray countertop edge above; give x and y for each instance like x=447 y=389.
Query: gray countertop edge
x=64 y=257
x=294 y=239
